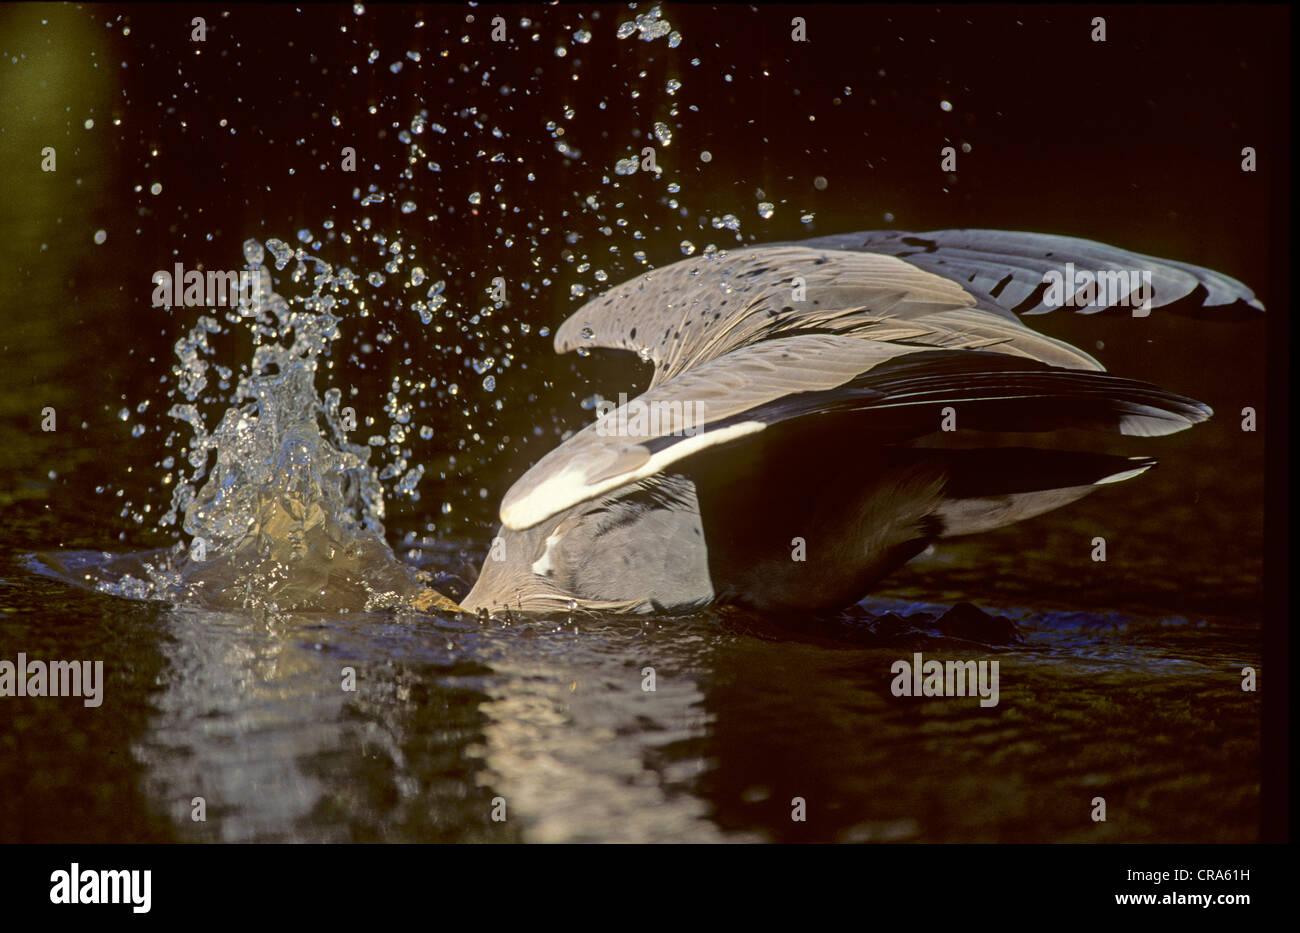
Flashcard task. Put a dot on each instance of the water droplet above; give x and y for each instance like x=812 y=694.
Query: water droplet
x=663 y=133
x=945 y=106
x=706 y=156
x=766 y=209
x=688 y=248
x=100 y=237
x=281 y=250
x=155 y=188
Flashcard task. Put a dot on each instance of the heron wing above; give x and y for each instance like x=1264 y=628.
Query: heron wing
x=905 y=387
x=1006 y=268
x=946 y=288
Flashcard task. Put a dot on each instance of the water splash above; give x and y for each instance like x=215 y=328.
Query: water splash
x=288 y=517
x=270 y=487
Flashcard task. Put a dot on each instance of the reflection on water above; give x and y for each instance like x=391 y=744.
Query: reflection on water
x=255 y=720
x=452 y=716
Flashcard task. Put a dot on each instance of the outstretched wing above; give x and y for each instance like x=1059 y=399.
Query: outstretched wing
x=895 y=322
x=904 y=388
x=886 y=285
x=698 y=309
x=1006 y=268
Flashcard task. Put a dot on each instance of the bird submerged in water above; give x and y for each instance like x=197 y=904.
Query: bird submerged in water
x=779 y=459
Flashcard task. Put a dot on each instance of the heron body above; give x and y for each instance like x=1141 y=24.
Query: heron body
x=788 y=452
